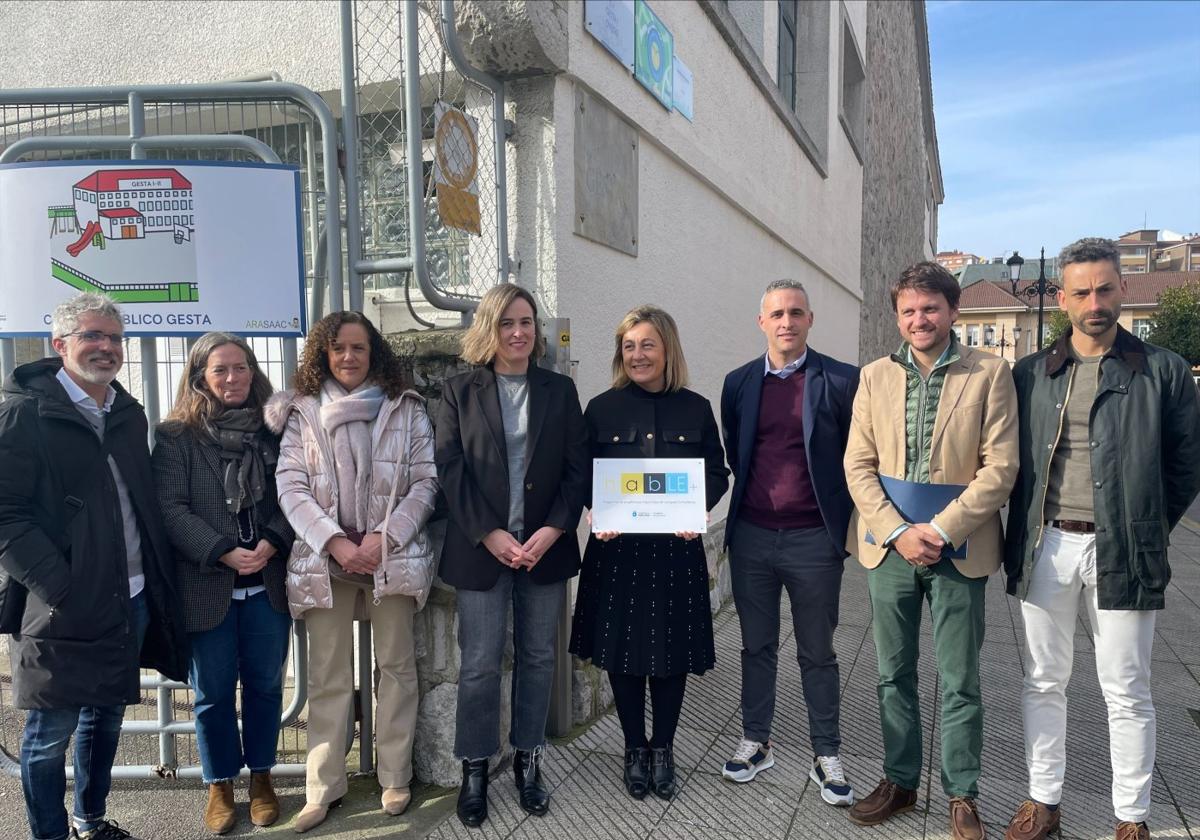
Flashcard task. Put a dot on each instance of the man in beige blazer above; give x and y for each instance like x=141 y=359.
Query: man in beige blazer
x=933 y=412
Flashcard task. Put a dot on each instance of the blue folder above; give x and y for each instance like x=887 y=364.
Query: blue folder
x=920 y=503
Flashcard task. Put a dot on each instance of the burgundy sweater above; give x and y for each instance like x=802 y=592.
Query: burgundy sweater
x=779 y=491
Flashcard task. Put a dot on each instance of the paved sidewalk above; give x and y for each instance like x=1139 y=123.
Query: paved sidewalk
x=590 y=801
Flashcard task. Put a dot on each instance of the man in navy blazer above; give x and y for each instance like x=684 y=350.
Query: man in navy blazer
x=785 y=418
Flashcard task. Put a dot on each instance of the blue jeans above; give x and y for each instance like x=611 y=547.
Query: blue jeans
x=251 y=643
x=43 y=758
x=482 y=622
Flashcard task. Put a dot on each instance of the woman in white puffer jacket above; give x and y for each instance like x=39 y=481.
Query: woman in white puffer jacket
x=357 y=482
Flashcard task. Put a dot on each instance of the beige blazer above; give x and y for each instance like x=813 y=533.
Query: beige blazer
x=974 y=443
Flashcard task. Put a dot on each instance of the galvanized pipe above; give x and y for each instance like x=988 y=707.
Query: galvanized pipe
x=350 y=161
x=454 y=49
x=416 y=200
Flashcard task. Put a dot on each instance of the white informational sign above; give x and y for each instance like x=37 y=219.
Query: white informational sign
x=183 y=247
x=681 y=92
x=648 y=495
x=611 y=23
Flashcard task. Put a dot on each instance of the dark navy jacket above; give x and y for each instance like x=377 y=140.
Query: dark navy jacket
x=829 y=389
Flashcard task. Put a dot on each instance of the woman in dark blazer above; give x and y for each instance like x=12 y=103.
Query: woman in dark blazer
x=642 y=610
x=214 y=468
x=513 y=463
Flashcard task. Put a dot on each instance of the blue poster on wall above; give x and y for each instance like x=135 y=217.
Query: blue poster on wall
x=654 y=54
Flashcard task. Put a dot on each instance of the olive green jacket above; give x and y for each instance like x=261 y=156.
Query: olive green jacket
x=1145 y=446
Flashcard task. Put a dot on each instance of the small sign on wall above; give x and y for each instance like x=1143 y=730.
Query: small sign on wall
x=681 y=91
x=655 y=50
x=611 y=23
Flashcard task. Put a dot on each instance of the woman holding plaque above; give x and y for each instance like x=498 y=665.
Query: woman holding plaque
x=642 y=611
x=512 y=458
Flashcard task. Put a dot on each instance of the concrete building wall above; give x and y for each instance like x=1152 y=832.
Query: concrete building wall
x=901 y=176
x=725 y=205
x=113 y=42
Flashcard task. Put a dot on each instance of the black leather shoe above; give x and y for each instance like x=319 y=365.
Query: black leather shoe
x=662 y=772
x=637 y=772
x=472 y=796
x=527 y=768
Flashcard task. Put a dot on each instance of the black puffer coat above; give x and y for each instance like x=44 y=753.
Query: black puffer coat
x=76 y=645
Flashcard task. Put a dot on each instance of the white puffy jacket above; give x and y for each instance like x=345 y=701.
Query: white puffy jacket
x=403 y=489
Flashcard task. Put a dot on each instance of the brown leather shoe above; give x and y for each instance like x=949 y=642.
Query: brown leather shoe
x=1132 y=831
x=887 y=800
x=219 y=815
x=1033 y=821
x=264 y=804
x=965 y=823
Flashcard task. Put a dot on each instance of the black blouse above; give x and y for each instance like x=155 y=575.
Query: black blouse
x=631 y=422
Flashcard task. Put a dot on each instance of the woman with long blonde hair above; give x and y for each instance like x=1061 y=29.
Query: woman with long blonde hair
x=512 y=459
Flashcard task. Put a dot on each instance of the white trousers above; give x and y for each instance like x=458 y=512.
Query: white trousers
x=1065 y=568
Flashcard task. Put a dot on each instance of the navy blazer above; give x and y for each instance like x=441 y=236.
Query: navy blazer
x=829 y=388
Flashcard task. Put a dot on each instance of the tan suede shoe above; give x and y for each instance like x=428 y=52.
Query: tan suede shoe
x=264 y=804
x=219 y=815
x=395 y=800
x=312 y=815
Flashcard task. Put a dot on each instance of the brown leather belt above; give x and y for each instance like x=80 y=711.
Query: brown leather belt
x=1073 y=525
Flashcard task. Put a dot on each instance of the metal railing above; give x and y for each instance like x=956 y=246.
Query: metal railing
x=83 y=122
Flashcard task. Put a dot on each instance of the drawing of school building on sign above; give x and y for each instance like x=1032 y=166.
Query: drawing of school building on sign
x=127 y=205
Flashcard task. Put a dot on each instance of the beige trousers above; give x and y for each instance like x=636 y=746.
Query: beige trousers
x=331 y=690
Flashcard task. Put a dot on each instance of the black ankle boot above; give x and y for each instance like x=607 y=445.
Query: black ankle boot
x=662 y=772
x=637 y=772
x=472 y=796
x=527 y=768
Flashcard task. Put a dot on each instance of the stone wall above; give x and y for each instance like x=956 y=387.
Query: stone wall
x=895 y=185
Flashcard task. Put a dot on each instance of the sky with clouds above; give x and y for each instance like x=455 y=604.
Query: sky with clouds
x=1057 y=120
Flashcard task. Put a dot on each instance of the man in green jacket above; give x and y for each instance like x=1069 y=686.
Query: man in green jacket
x=1110 y=460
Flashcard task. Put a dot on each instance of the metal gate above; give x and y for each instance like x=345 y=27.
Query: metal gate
x=269 y=121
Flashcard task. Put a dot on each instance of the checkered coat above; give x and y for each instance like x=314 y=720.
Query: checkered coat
x=187 y=474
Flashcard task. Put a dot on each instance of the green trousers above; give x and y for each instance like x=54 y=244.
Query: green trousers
x=956 y=605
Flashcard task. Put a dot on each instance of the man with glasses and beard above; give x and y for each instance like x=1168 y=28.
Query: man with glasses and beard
x=87 y=588
x=1110 y=460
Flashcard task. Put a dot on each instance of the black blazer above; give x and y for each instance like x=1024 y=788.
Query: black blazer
x=829 y=388
x=187 y=474
x=631 y=422
x=472 y=465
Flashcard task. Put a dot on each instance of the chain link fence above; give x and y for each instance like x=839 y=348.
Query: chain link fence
x=461 y=264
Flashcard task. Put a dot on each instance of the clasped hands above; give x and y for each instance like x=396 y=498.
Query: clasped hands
x=361 y=559
x=505 y=548
x=605 y=536
x=920 y=544
x=247 y=561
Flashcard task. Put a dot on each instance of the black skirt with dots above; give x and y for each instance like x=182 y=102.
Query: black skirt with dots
x=642 y=606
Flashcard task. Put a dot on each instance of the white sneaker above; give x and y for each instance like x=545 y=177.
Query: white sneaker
x=827 y=772
x=749 y=758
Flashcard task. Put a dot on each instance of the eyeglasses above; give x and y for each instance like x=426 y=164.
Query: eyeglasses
x=96 y=337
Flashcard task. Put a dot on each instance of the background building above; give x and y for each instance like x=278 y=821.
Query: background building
x=992 y=319
x=955 y=261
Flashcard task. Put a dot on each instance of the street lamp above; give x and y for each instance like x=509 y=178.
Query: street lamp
x=1039 y=289
x=989 y=333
